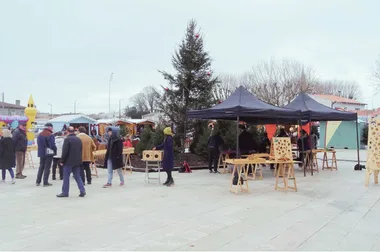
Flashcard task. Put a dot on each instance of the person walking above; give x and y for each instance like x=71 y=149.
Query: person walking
x=71 y=161
x=7 y=154
x=59 y=139
x=88 y=147
x=21 y=143
x=46 y=151
x=168 y=160
x=114 y=156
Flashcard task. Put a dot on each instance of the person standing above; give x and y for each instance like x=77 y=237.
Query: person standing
x=214 y=143
x=71 y=161
x=168 y=160
x=46 y=151
x=114 y=156
x=21 y=143
x=7 y=154
x=88 y=147
x=59 y=139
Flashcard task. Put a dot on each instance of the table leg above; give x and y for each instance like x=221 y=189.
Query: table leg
x=232 y=177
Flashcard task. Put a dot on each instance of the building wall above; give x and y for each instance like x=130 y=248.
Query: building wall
x=11 y=111
x=339 y=135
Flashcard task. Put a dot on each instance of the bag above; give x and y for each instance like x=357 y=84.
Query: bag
x=358 y=167
x=235 y=180
x=48 y=152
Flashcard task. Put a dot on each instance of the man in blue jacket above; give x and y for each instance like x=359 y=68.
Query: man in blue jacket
x=46 y=151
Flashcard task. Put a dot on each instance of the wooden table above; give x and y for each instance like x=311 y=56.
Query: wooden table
x=239 y=168
x=100 y=155
x=325 y=163
x=286 y=172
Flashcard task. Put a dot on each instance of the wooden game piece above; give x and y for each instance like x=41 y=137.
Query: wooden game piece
x=373 y=154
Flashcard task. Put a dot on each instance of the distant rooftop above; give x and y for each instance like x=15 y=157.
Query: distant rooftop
x=334 y=98
x=10 y=105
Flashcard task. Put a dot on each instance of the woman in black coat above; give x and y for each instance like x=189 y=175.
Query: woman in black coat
x=114 y=156
x=7 y=154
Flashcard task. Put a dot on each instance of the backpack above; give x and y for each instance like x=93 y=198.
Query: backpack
x=185 y=168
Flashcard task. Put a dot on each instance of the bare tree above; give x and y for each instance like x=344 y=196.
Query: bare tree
x=279 y=82
x=228 y=83
x=376 y=75
x=145 y=101
x=347 y=89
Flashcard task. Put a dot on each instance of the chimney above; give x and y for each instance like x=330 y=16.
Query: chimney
x=18 y=102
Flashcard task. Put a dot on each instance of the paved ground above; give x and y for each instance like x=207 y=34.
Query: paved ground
x=331 y=211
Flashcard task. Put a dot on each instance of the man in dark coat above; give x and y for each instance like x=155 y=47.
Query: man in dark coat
x=71 y=160
x=46 y=151
x=114 y=156
x=21 y=143
x=214 y=144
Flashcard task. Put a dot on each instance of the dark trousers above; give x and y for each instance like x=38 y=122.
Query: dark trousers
x=85 y=167
x=213 y=157
x=44 y=169
x=55 y=164
x=67 y=170
x=169 y=173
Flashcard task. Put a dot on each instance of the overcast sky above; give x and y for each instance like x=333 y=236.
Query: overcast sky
x=61 y=51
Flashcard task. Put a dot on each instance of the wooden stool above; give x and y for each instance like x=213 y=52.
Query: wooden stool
x=314 y=162
x=94 y=169
x=222 y=160
x=325 y=164
x=127 y=163
x=29 y=159
x=239 y=168
x=286 y=171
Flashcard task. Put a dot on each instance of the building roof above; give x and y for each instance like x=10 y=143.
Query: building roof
x=334 y=98
x=10 y=105
x=69 y=118
x=131 y=121
x=367 y=112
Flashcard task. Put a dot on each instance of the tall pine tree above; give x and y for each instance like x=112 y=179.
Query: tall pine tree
x=192 y=84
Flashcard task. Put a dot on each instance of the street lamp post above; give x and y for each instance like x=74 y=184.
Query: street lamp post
x=51 y=110
x=75 y=106
x=120 y=107
x=109 y=93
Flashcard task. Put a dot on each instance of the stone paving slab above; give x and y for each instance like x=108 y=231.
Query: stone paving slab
x=331 y=211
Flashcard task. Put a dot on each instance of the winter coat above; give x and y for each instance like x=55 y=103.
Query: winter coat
x=7 y=153
x=72 y=151
x=20 y=140
x=45 y=140
x=168 y=160
x=88 y=147
x=59 y=143
x=215 y=142
x=114 y=150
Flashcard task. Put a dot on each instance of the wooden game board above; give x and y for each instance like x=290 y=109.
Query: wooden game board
x=281 y=149
x=373 y=154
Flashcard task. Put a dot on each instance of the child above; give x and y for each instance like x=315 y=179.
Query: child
x=7 y=154
x=127 y=143
x=59 y=139
x=168 y=161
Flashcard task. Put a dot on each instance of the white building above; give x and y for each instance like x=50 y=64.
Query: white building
x=337 y=102
x=9 y=109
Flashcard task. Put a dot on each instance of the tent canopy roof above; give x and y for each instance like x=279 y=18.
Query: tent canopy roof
x=317 y=111
x=248 y=107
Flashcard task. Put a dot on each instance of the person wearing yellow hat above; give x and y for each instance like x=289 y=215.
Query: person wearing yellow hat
x=168 y=160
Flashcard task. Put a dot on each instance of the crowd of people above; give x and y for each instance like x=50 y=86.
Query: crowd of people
x=72 y=153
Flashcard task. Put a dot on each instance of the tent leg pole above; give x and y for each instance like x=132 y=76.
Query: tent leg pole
x=311 y=147
x=302 y=147
x=237 y=137
x=357 y=140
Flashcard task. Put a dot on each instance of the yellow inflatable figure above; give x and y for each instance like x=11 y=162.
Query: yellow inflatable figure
x=2 y=124
x=30 y=112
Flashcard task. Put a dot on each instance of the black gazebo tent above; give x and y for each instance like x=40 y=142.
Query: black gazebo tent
x=312 y=110
x=244 y=106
